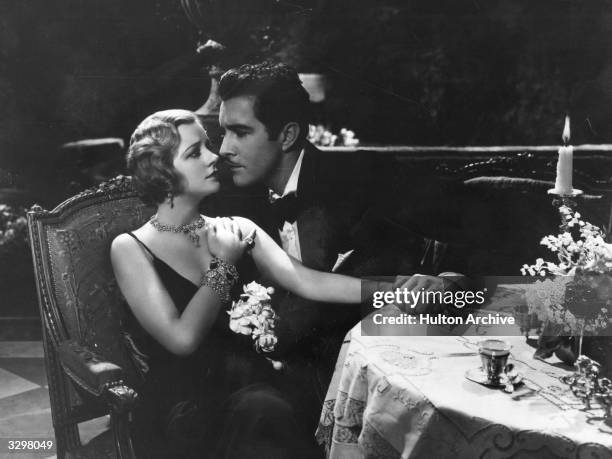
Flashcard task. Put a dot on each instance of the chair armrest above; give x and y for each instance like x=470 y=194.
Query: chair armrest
x=104 y=380
x=88 y=370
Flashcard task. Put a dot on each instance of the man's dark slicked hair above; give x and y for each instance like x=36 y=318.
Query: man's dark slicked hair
x=279 y=95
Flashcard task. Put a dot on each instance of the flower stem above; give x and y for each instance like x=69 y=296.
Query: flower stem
x=580 y=337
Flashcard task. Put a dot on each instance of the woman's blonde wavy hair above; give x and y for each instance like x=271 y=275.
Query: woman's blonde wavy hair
x=151 y=152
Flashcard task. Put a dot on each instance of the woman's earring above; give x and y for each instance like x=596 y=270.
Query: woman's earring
x=171 y=197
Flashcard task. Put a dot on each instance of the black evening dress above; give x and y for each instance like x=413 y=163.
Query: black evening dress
x=219 y=402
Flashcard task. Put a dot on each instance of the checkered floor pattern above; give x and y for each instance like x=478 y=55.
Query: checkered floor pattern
x=24 y=399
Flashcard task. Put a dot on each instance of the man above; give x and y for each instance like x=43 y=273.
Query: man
x=334 y=213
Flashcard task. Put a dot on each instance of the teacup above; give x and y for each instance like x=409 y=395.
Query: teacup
x=494 y=355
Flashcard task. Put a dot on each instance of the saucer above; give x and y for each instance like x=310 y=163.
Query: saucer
x=480 y=376
x=506 y=380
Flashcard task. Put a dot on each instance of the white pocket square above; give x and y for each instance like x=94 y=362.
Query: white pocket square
x=342 y=257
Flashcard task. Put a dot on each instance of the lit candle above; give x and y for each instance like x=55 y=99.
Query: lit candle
x=563 y=183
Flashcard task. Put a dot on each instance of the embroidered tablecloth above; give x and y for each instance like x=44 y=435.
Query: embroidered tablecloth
x=408 y=397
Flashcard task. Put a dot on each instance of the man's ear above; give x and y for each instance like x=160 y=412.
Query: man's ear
x=289 y=135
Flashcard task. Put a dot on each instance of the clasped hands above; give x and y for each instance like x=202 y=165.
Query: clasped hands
x=225 y=241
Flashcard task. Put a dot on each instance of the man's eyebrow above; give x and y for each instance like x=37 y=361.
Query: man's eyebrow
x=237 y=126
x=191 y=147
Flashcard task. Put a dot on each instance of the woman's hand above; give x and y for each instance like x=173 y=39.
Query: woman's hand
x=224 y=239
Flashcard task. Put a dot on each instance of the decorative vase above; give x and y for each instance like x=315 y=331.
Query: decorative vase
x=315 y=84
x=578 y=324
x=552 y=341
x=589 y=297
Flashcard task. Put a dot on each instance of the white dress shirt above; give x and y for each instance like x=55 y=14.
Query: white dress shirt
x=290 y=240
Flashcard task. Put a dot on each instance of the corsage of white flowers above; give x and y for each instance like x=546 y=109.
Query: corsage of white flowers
x=253 y=315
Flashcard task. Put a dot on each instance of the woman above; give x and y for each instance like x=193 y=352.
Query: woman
x=205 y=390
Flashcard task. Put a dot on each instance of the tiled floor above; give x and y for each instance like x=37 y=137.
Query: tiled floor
x=24 y=398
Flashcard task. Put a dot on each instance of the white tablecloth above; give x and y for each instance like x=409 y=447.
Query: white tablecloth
x=408 y=397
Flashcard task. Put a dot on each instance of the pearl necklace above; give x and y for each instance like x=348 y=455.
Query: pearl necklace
x=188 y=229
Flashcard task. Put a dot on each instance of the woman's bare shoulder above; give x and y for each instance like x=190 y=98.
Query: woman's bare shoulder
x=123 y=241
x=126 y=244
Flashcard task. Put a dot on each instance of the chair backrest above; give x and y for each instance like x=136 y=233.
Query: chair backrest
x=78 y=296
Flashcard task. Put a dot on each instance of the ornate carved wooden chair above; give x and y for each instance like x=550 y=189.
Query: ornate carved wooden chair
x=90 y=373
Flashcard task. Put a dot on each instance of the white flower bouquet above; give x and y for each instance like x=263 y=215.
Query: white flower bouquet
x=582 y=248
x=579 y=298
x=252 y=315
x=322 y=137
x=13 y=229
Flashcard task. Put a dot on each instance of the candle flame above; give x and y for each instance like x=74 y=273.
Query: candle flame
x=566 y=131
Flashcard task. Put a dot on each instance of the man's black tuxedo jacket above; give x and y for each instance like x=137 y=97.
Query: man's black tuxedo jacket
x=350 y=201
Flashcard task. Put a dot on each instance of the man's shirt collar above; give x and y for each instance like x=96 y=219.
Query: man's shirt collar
x=292 y=184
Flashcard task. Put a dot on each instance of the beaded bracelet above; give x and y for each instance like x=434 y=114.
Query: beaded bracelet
x=220 y=278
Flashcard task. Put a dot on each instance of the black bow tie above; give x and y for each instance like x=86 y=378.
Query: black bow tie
x=285 y=210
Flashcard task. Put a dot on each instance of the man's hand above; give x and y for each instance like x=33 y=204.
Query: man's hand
x=418 y=282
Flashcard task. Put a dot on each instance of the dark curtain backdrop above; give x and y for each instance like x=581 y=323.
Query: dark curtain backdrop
x=467 y=72
x=78 y=69
x=435 y=72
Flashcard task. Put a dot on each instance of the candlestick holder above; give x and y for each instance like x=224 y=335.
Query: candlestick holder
x=564 y=200
x=586 y=385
